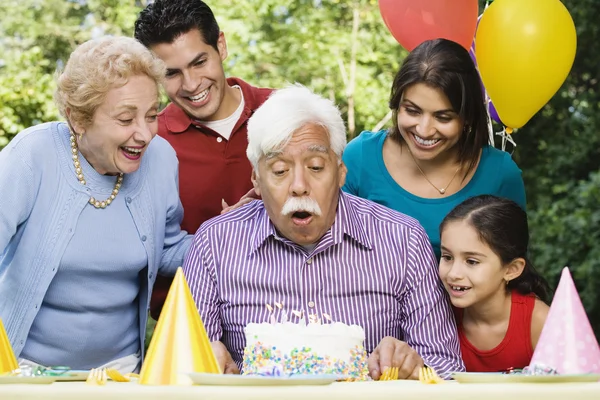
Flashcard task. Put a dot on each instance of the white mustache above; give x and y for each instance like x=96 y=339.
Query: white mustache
x=305 y=203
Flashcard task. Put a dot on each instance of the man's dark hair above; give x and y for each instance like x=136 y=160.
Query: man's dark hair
x=163 y=21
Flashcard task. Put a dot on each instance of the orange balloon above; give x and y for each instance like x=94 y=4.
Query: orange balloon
x=412 y=22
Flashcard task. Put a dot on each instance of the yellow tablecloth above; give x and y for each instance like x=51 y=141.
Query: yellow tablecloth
x=396 y=390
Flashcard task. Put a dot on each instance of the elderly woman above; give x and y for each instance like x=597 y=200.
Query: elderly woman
x=89 y=214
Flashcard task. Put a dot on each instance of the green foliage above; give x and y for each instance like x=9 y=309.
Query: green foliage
x=342 y=49
x=274 y=42
x=36 y=37
x=559 y=152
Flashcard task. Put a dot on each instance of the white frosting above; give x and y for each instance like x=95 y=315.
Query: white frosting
x=335 y=340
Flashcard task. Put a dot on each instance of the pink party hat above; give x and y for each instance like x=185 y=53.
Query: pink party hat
x=567 y=342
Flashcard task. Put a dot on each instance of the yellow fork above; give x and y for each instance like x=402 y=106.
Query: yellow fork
x=116 y=376
x=390 y=374
x=428 y=375
x=97 y=377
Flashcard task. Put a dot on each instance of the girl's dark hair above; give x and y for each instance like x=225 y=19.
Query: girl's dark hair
x=446 y=65
x=502 y=225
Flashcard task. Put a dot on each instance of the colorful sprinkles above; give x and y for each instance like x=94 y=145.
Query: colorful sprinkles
x=259 y=358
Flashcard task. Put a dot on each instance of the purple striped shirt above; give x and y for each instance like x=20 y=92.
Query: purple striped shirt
x=375 y=268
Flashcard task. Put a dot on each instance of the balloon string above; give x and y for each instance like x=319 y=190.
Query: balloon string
x=507 y=137
x=489 y=120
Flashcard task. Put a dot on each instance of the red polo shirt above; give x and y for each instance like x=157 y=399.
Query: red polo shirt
x=211 y=167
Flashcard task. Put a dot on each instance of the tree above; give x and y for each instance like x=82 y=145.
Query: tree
x=559 y=153
x=342 y=49
x=36 y=37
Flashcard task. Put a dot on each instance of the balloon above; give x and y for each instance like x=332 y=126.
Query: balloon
x=524 y=50
x=494 y=113
x=491 y=107
x=412 y=22
x=472 y=54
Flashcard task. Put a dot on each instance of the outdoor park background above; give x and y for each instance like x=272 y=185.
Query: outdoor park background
x=342 y=49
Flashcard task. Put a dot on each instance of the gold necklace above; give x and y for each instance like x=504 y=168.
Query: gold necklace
x=441 y=190
x=79 y=172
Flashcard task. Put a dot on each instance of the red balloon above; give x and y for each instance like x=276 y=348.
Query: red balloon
x=412 y=22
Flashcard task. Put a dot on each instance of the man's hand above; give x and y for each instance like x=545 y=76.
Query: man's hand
x=392 y=352
x=245 y=199
x=226 y=363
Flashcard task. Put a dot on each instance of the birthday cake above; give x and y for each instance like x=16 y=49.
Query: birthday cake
x=288 y=348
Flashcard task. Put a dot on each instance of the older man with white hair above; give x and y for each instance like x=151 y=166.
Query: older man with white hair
x=318 y=250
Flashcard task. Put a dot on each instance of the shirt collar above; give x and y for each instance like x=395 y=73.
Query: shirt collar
x=346 y=223
x=177 y=121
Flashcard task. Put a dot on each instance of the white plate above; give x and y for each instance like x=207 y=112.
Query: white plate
x=255 y=380
x=496 y=377
x=74 y=375
x=9 y=379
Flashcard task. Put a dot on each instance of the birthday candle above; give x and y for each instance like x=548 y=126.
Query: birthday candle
x=300 y=316
x=271 y=315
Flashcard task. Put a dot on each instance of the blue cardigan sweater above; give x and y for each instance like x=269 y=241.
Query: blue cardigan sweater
x=40 y=203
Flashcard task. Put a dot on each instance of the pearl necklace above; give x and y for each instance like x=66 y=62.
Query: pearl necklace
x=79 y=172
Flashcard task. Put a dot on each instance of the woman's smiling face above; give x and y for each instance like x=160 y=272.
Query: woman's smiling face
x=427 y=122
x=122 y=127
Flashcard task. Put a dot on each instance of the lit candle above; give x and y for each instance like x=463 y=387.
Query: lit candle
x=313 y=319
x=271 y=315
x=300 y=315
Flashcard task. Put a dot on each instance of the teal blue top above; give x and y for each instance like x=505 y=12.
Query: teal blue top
x=497 y=174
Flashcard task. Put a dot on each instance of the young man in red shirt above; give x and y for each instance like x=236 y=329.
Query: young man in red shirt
x=207 y=117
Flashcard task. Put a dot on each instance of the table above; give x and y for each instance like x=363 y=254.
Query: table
x=396 y=390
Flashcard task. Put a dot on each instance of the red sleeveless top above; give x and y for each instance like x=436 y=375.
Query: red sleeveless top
x=515 y=350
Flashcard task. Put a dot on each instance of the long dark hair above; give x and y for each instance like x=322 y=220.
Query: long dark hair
x=163 y=21
x=446 y=65
x=502 y=225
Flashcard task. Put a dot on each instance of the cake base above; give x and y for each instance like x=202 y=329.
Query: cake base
x=269 y=360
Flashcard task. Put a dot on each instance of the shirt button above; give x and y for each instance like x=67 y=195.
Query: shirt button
x=151 y=275
x=219 y=139
x=311 y=304
x=129 y=199
x=144 y=238
x=309 y=261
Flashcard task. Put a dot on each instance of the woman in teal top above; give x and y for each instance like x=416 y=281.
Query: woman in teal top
x=437 y=154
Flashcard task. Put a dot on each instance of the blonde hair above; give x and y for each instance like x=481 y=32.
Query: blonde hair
x=97 y=66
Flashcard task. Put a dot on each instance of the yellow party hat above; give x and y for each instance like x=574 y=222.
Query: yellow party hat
x=8 y=361
x=179 y=343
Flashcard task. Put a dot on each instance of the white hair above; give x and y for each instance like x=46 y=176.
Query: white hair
x=285 y=111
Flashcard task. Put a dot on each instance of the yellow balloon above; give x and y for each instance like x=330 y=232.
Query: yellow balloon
x=524 y=50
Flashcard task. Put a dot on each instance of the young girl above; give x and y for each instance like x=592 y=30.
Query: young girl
x=497 y=294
